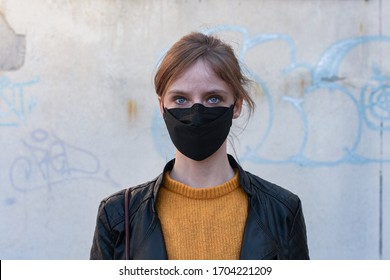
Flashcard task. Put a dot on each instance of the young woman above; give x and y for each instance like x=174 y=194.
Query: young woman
x=203 y=205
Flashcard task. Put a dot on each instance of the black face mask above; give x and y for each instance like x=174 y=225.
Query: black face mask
x=199 y=131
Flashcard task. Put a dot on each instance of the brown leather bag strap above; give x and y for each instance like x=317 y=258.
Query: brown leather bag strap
x=127 y=234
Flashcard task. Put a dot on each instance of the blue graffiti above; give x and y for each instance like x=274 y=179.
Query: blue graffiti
x=368 y=101
x=375 y=103
x=15 y=103
x=51 y=161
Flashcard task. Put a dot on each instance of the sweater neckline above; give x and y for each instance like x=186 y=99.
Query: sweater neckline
x=201 y=193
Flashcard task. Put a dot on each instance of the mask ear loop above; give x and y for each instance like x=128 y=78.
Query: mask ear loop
x=235 y=101
x=162 y=103
x=234 y=105
x=232 y=135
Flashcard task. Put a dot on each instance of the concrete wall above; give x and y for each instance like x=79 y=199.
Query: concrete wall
x=79 y=118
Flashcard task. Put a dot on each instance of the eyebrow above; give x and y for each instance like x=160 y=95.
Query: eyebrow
x=213 y=91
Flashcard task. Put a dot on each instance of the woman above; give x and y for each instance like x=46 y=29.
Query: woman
x=203 y=205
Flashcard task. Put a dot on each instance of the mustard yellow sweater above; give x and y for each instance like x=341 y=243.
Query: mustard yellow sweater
x=202 y=223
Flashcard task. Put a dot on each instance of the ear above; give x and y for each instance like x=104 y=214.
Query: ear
x=160 y=103
x=237 y=108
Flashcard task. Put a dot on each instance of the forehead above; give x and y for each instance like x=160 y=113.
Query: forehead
x=199 y=75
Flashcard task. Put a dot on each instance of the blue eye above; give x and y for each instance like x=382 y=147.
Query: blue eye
x=180 y=100
x=214 y=99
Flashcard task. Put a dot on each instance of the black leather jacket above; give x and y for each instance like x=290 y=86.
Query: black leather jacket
x=275 y=226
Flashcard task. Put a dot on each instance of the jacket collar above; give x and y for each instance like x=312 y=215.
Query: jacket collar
x=159 y=180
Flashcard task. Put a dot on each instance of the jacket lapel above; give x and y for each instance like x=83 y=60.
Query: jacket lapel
x=153 y=247
x=153 y=244
x=257 y=243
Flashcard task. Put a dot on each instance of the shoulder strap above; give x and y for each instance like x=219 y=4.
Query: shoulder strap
x=127 y=234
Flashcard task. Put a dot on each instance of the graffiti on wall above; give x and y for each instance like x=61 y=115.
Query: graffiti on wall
x=367 y=101
x=16 y=103
x=50 y=161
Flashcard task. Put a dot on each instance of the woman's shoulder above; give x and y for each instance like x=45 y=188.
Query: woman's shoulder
x=112 y=206
x=263 y=188
x=138 y=192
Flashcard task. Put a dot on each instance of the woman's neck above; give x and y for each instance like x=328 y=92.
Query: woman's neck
x=213 y=171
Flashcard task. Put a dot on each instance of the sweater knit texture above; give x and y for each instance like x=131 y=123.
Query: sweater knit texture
x=202 y=223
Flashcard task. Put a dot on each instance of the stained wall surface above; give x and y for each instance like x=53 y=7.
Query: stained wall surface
x=79 y=118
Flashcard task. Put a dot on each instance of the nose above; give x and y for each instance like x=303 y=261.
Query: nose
x=197 y=100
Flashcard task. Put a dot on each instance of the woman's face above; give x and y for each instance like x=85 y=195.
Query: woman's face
x=199 y=84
